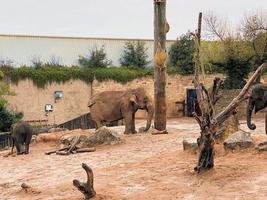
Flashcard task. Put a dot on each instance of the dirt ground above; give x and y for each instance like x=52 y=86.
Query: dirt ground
x=143 y=167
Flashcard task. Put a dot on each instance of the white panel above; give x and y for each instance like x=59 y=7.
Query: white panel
x=23 y=49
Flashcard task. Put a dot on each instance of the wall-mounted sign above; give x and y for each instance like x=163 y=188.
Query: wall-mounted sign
x=58 y=95
x=48 y=108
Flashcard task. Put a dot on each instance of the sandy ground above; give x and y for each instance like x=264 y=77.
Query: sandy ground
x=143 y=167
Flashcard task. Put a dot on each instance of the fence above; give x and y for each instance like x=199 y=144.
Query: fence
x=5 y=140
x=85 y=122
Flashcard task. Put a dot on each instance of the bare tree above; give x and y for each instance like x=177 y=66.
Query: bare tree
x=253 y=24
x=254 y=29
x=216 y=27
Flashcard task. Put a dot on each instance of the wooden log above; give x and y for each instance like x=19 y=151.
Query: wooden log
x=82 y=150
x=86 y=188
x=73 y=145
x=160 y=55
x=62 y=153
x=54 y=151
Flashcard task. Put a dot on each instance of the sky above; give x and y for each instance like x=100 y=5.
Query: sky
x=114 y=18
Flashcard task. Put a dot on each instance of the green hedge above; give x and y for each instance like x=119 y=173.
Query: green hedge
x=41 y=76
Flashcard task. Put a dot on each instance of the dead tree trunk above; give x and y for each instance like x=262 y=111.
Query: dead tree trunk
x=161 y=27
x=208 y=122
x=86 y=188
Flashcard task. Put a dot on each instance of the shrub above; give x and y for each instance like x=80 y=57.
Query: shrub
x=7 y=118
x=237 y=63
x=134 y=55
x=96 y=58
x=181 y=54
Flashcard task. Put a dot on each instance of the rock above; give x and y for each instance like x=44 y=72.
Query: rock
x=190 y=146
x=52 y=130
x=34 y=139
x=262 y=146
x=238 y=140
x=103 y=136
x=38 y=131
x=152 y=131
x=228 y=128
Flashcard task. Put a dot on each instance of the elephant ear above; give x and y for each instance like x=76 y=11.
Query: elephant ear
x=133 y=99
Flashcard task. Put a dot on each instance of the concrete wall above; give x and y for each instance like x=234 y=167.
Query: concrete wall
x=31 y=100
x=23 y=49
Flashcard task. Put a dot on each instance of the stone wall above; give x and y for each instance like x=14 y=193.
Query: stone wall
x=31 y=100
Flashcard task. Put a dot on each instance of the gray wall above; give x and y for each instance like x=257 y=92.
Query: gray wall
x=23 y=49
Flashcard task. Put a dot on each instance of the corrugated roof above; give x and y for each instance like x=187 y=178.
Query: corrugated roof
x=74 y=37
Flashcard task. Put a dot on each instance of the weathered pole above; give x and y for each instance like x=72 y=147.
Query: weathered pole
x=161 y=27
x=199 y=27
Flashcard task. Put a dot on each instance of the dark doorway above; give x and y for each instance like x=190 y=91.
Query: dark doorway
x=191 y=97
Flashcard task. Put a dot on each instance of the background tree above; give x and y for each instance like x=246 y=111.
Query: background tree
x=7 y=118
x=181 y=54
x=237 y=56
x=134 y=55
x=96 y=58
x=254 y=29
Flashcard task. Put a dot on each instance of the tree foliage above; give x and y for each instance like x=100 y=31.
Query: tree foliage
x=237 y=55
x=181 y=54
x=7 y=118
x=237 y=63
x=254 y=29
x=134 y=55
x=95 y=58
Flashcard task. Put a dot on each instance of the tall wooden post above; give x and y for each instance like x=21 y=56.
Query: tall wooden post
x=161 y=27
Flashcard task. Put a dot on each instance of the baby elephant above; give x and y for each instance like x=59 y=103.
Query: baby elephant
x=21 y=135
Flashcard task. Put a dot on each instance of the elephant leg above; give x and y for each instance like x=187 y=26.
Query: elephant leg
x=27 y=142
x=18 y=147
x=27 y=146
x=128 y=123
x=133 y=124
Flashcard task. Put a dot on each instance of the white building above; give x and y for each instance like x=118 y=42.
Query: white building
x=22 y=49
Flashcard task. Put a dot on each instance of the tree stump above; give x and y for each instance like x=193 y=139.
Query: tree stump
x=87 y=188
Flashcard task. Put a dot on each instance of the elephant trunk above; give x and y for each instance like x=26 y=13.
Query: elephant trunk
x=250 y=107
x=150 y=113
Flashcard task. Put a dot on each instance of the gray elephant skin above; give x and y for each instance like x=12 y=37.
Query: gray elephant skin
x=257 y=101
x=21 y=135
x=110 y=106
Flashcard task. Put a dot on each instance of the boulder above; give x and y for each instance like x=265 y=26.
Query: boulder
x=262 y=146
x=53 y=130
x=190 y=146
x=152 y=131
x=101 y=136
x=238 y=140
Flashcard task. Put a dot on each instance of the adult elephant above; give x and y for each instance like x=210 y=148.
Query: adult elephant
x=21 y=135
x=257 y=101
x=111 y=106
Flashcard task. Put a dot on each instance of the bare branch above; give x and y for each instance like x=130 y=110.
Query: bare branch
x=215 y=27
x=87 y=188
x=222 y=116
x=254 y=24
